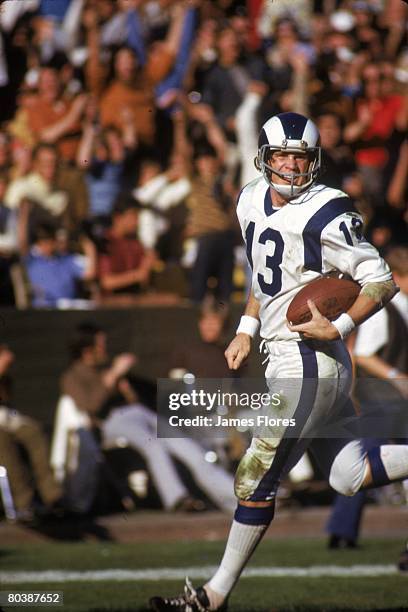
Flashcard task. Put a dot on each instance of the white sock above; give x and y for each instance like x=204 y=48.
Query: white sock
x=395 y=460
x=242 y=542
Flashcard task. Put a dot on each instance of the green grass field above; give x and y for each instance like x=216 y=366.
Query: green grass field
x=252 y=594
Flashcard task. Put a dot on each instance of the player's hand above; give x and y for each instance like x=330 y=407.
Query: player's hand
x=237 y=351
x=318 y=328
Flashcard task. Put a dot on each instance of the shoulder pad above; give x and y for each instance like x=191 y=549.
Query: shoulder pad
x=248 y=189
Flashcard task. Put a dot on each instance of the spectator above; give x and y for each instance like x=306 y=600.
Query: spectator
x=203 y=54
x=54 y=276
x=168 y=90
x=5 y=153
x=8 y=223
x=55 y=194
x=288 y=61
x=50 y=118
x=386 y=229
x=57 y=27
x=37 y=186
x=246 y=119
x=8 y=245
x=21 y=159
x=397 y=184
x=364 y=31
x=379 y=112
x=124 y=267
x=158 y=192
x=102 y=155
x=205 y=357
x=132 y=88
x=272 y=13
x=226 y=83
x=209 y=222
x=106 y=395
x=15 y=56
x=18 y=430
x=337 y=158
x=124 y=27
x=392 y=20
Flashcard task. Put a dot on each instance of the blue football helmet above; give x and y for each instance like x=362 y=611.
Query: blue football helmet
x=293 y=133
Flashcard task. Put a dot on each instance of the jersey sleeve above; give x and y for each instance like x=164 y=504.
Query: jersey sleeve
x=246 y=202
x=344 y=248
x=241 y=211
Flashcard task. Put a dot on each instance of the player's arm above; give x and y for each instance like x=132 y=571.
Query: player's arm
x=345 y=249
x=373 y=296
x=240 y=347
x=371 y=299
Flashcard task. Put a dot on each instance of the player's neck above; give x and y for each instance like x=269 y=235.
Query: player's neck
x=277 y=199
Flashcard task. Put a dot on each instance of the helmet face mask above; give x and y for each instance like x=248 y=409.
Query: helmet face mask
x=289 y=133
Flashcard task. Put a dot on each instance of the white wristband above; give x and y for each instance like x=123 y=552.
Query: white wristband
x=344 y=325
x=393 y=373
x=248 y=325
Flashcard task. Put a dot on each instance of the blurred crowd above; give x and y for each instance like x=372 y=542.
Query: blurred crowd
x=105 y=454
x=128 y=127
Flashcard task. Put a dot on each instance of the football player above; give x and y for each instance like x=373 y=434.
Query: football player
x=297 y=229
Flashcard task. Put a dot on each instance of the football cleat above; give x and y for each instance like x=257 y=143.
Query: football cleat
x=193 y=600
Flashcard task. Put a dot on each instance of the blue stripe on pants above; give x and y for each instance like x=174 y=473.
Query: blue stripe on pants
x=270 y=480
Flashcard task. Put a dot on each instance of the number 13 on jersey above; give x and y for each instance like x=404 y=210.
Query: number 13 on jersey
x=272 y=262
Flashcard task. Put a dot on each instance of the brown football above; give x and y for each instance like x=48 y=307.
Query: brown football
x=332 y=296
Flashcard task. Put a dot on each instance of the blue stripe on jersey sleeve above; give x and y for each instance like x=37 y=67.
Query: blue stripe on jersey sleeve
x=314 y=227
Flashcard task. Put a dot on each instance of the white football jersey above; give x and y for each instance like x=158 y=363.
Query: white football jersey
x=317 y=233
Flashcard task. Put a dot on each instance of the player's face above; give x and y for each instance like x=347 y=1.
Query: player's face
x=289 y=163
